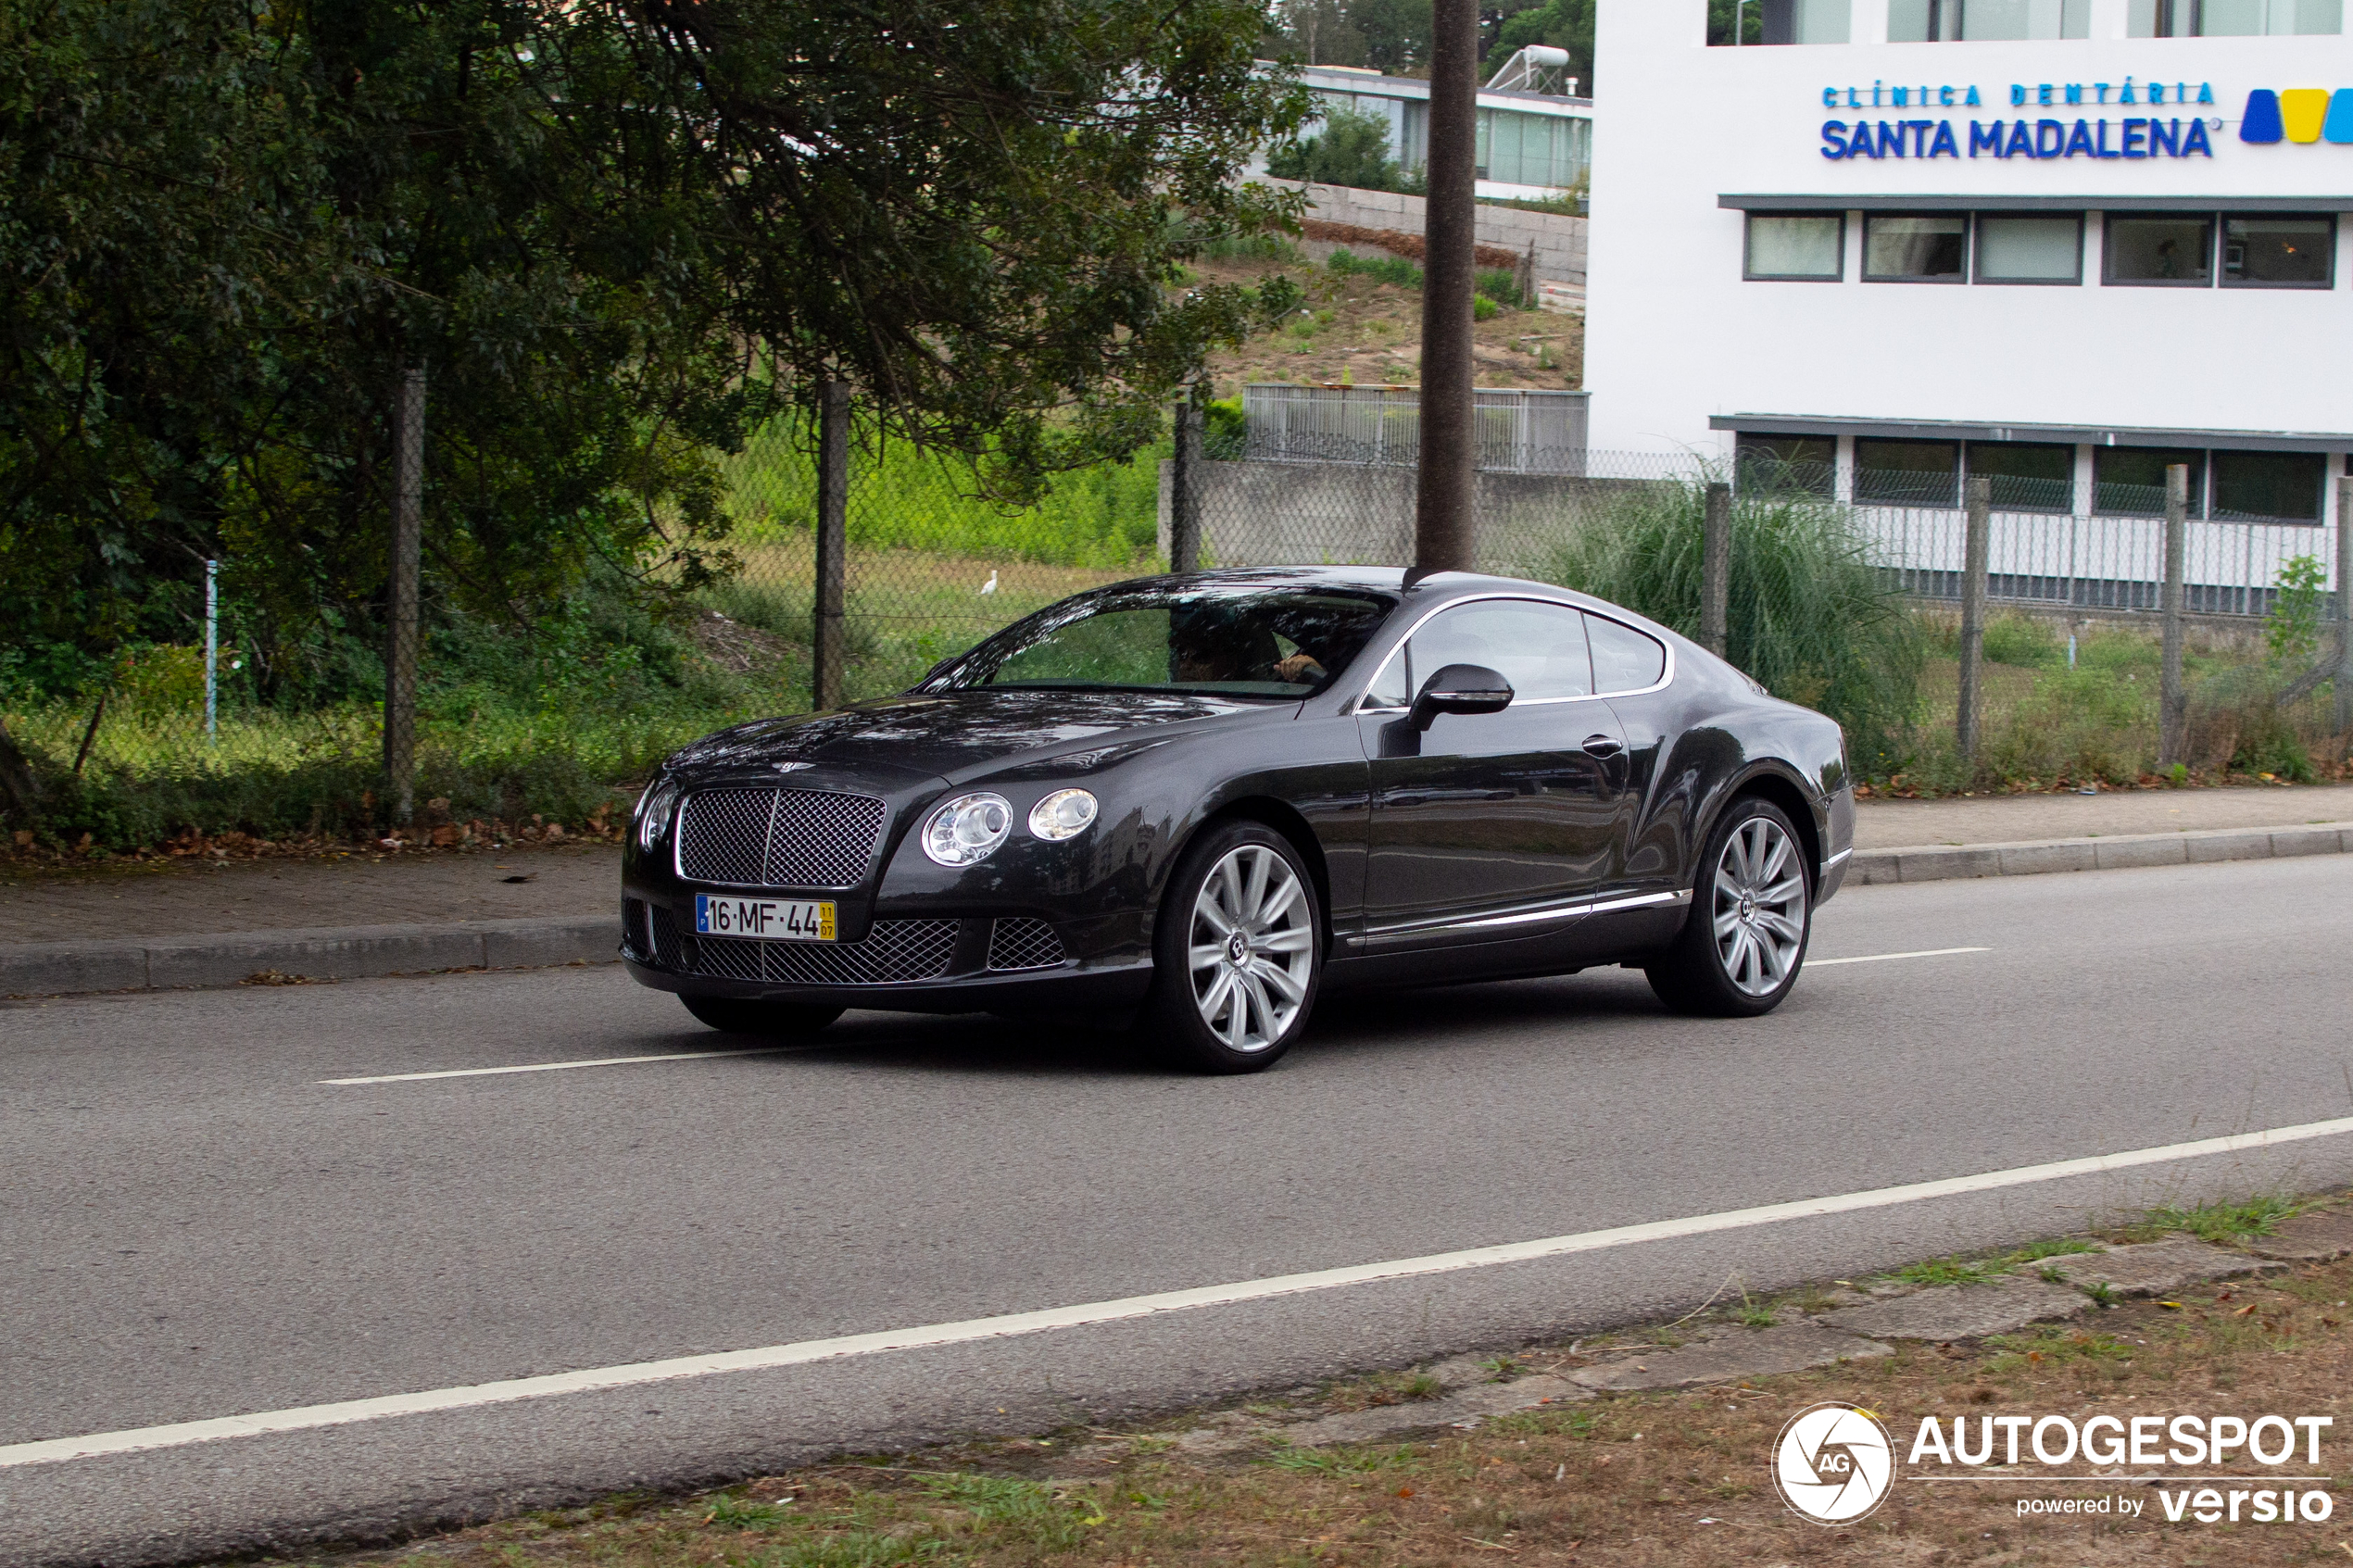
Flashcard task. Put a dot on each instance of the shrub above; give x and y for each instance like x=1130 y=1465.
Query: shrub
x=1811 y=616
x=1352 y=149
x=1385 y=269
x=1502 y=286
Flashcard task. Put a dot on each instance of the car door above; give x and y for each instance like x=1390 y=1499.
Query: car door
x=1488 y=827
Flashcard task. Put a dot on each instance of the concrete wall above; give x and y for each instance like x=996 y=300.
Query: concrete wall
x=1559 y=240
x=1362 y=514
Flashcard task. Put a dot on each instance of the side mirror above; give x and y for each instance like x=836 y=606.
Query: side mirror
x=1460 y=688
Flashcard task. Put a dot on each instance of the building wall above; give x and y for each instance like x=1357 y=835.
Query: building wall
x=1676 y=337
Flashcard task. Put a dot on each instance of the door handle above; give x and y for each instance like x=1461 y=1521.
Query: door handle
x=1603 y=745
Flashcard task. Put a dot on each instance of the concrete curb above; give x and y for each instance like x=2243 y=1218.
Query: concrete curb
x=1938 y=862
x=333 y=952
x=350 y=952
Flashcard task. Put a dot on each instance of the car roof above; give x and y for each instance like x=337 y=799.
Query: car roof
x=1436 y=588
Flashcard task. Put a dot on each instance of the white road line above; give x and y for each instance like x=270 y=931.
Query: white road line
x=1883 y=958
x=551 y=1066
x=631 y=1375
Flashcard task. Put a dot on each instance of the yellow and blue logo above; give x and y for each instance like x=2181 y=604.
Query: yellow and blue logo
x=2300 y=114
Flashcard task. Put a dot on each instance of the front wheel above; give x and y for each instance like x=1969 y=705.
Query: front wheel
x=1752 y=912
x=1236 y=954
x=774 y=1020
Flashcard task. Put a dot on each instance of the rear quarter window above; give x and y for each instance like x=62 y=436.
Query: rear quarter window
x=1624 y=659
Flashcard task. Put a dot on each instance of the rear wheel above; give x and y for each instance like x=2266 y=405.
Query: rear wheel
x=774 y=1020
x=1237 y=954
x=1752 y=912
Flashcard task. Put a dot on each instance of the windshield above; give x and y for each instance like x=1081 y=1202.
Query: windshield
x=1239 y=640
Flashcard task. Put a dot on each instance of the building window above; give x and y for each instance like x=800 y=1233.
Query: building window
x=2030 y=250
x=2278 y=253
x=2268 y=487
x=1794 y=21
x=1906 y=473
x=1807 y=464
x=1899 y=249
x=2231 y=19
x=2027 y=476
x=1802 y=246
x=2130 y=481
x=2156 y=249
x=1945 y=21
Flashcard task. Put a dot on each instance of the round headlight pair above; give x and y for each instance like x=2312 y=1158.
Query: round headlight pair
x=967 y=830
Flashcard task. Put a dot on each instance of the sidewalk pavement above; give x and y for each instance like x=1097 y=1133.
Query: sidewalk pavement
x=149 y=926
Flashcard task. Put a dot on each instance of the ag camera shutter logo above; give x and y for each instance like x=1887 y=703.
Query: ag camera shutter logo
x=1833 y=1464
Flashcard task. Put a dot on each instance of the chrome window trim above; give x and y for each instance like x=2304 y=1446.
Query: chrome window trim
x=1666 y=678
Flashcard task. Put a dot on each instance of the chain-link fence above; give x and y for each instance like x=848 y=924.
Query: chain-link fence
x=1850 y=606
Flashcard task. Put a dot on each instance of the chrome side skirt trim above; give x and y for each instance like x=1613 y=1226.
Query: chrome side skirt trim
x=1678 y=899
x=1837 y=858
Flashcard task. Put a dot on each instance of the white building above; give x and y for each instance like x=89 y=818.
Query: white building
x=2064 y=243
x=1535 y=134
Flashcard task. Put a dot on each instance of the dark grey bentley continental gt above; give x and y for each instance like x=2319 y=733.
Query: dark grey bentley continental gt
x=1202 y=801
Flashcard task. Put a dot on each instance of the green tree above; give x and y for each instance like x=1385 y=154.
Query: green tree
x=1564 y=24
x=1351 y=149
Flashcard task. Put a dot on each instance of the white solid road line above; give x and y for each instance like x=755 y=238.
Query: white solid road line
x=767 y=1050
x=552 y=1066
x=631 y=1375
x=1883 y=958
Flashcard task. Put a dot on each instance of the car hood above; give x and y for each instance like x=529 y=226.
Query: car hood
x=953 y=734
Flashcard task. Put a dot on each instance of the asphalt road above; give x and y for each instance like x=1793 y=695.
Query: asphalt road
x=192 y=1224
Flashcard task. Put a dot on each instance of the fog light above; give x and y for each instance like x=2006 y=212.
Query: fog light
x=1063 y=814
x=967 y=829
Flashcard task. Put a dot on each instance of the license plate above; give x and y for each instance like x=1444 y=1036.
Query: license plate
x=773 y=920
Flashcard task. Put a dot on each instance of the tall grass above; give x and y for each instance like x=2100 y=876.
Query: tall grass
x=905 y=498
x=1811 y=616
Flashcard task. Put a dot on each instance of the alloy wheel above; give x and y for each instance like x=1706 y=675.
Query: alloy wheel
x=1250 y=948
x=1760 y=907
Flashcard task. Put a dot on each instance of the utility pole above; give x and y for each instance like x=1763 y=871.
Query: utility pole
x=407 y=554
x=1184 y=491
x=1976 y=553
x=833 y=544
x=1443 y=497
x=2172 y=711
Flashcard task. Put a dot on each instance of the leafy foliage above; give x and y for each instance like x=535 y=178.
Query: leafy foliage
x=1352 y=149
x=1565 y=24
x=2294 y=626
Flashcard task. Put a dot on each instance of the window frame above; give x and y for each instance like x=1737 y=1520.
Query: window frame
x=2201 y=480
x=2272 y=520
x=2108 y=279
x=1969 y=247
x=1364 y=704
x=2222 y=242
x=1977 y=252
x=1958 y=472
x=1747 y=227
x=1969 y=472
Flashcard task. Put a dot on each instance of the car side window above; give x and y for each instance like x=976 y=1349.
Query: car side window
x=1624 y=659
x=1539 y=647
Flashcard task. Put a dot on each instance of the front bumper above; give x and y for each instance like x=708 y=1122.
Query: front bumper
x=1013 y=963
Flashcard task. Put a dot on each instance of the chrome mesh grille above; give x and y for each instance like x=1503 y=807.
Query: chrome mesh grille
x=778 y=837
x=893 y=950
x=1023 y=944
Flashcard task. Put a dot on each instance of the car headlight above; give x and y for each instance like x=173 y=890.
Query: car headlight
x=655 y=808
x=1063 y=814
x=967 y=830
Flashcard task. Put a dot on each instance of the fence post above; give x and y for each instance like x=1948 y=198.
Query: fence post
x=2344 y=607
x=1716 y=571
x=2172 y=711
x=211 y=651
x=1975 y=548
x=1184 y=491
x=407 y=551
x=833 y=544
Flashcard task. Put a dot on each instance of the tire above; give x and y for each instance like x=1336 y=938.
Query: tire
x=774 y=1020
x=1239 y=885
x=1752 y=914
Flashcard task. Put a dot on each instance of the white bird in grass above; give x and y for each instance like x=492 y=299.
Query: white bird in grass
x=990 y=586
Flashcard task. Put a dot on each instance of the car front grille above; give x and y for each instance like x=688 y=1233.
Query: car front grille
x=1023 y=943
x=778 y=837
x=894 y=950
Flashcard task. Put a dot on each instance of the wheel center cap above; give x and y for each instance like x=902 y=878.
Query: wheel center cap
x=1237 y=947
x=1748 y=907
